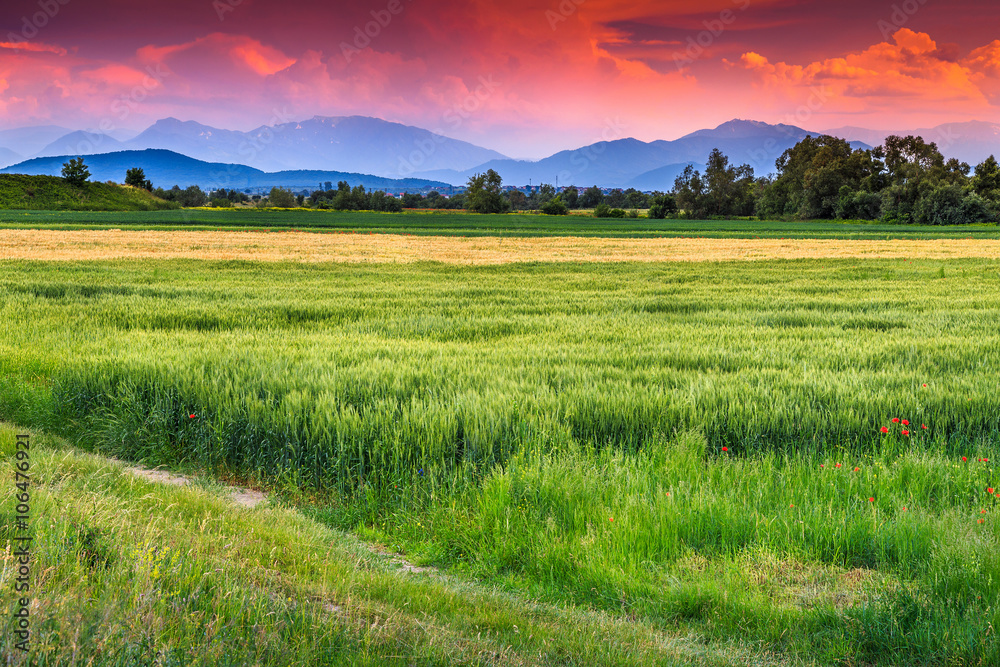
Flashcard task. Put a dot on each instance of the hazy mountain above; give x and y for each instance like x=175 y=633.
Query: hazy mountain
x=81 y=143
x=970 y=142
x=661 y=179
x=356 y=144
x=870 y=137
x=192 y=139
x=8 y=157
x=166 y=169
x=626 y=162
x=29 y=140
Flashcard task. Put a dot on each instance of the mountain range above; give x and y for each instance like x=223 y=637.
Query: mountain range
x=167 y=168
x=350 y=144
x=378 y=149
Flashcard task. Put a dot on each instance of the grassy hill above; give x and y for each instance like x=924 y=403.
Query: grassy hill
x=51 y=193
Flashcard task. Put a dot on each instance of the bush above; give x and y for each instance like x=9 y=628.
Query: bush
x=978 y=209
x=859 y=205
x=555 y=206
x=942 y=206
x=662 y=206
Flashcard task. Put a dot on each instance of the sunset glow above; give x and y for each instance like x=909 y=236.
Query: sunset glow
x=524 y=78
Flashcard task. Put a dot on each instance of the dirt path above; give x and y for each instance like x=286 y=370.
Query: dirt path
x=250 y=498
x=243 y=497
x=379 y=248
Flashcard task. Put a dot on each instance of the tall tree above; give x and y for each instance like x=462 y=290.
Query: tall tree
x=591 y=197
x=136 y=177
x=75 y=172
x=484 y=194
x=281 y=198
x=986 y=182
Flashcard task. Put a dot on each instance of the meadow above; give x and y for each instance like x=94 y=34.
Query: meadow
x=453 y=223
x=712 y=450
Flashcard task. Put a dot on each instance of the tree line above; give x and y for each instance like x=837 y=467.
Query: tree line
x=906 y=180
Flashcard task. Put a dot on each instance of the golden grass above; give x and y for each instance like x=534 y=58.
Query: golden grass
x=382 y=248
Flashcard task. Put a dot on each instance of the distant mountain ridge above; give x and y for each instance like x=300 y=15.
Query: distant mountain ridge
x=350 y=144
x=647 y=166
x=970 y=142
x=360 y=146
x=166 y=169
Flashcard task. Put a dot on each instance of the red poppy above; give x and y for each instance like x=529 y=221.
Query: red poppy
x=964 y=459
x=822 y=465
x=923 y=426
x=838 y=465
x=885 y=429
x=906 y=422
x=725 y=449
x=871 y=500
x=611 y=518
x=191 y=416
x=904 y=509
x=989 y=489
x=925 y=386
x=983 y=512
x=980 y=521
x=857 y=469
x=895 y=420
x=905 y=432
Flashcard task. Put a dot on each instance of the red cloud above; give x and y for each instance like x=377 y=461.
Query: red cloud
x=878 y=79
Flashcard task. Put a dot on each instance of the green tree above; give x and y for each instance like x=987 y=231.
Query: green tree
x=591 y=197
x=75 y=172
x=690 y=191
x=571 y=196
x=484 y=194
x=281 y=198
x=662 y=207
x=518 y=200
x=192 y=196
x=555 y=206
x=986 y=182
x=136 y=177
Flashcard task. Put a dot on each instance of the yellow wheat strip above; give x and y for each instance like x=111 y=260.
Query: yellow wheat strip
x=55 y=245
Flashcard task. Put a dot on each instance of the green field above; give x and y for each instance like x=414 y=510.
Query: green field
x=692 y=448
x=466 y=224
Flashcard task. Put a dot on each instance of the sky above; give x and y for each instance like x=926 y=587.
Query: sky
x=524 y=78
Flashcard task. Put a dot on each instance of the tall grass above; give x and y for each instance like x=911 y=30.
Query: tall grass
x=527 y=422
x=338 y=376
